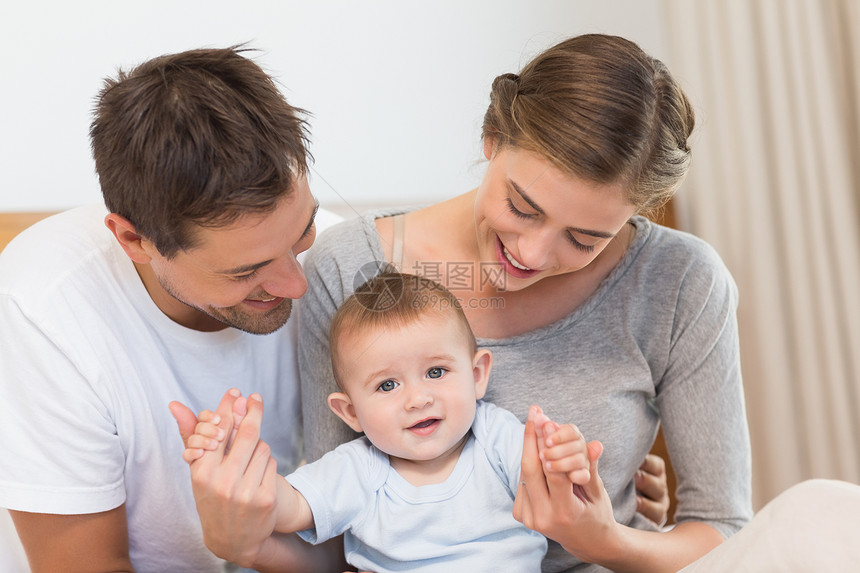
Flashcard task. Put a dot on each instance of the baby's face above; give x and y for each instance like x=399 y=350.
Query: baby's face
x=413 y=388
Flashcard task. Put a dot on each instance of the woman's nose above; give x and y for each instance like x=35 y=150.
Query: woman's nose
x=535 y=249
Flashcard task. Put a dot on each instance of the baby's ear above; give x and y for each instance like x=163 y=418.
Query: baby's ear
x=342 y=406
x=481 y=366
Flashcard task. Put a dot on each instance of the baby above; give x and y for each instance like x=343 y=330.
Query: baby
x=432 y=482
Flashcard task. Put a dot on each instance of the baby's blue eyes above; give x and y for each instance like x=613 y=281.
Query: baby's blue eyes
x=435 y=372
x=388 y=385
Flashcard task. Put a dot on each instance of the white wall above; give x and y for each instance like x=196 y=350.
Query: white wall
x=397 y=88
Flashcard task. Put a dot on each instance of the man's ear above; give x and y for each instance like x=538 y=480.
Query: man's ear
x=341 y=405
x=129 y=240
x=481 y=366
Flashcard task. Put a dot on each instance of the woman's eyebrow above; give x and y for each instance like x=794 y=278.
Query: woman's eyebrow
x=522 y=193
x=525 y=197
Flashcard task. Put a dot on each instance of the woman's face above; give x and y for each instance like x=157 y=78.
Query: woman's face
x=535 y=221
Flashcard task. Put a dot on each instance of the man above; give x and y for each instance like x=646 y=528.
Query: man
x=180 y=289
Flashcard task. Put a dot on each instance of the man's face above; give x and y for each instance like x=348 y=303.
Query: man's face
x=243 y=275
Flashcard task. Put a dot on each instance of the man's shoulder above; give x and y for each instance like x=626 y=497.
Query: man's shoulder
x=42 y=253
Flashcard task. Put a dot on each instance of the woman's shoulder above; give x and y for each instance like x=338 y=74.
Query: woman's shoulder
x=348 y=229
x=683 y=266
x=671 y=248
x=349 y=243
x=359 y=230
x=342 y=242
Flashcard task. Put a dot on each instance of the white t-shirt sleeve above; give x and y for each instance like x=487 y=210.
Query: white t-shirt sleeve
x=57 y=423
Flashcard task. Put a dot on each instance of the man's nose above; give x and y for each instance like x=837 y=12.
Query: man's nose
x=286 y=278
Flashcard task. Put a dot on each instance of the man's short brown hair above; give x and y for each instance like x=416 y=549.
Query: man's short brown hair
x=195 y=138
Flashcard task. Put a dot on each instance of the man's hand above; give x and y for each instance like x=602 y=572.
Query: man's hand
x=188 y=422
x=235 y=490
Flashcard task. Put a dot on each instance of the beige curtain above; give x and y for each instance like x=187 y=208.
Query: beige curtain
x=775 y=187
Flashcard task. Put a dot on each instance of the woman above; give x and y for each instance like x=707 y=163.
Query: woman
x=592 y=312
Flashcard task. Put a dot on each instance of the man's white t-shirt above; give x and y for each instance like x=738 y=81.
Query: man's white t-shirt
x=88 y=365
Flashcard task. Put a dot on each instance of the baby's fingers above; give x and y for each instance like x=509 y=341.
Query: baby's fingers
x=556 y=435
x=574 y=465
x=196 y=441
x=191 y=454
x=566 y=452
x=206 y=437
x=580 y=476
x=209 y=416
x=208 y=430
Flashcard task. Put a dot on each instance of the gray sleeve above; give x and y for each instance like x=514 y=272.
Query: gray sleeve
x=323 y=430
x=344 y=255
x=701 y=403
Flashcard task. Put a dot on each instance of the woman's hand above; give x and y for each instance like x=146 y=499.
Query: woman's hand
x=579 y=517
x=652 y=490
x=235 y=490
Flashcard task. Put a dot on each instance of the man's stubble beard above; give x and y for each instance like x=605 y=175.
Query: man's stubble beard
x=257 y=324
x=232 y=315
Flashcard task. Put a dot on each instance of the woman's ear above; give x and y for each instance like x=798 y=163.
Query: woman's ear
x=342 y=406
x=129 y=240
x=489 y=146
x=481 y=366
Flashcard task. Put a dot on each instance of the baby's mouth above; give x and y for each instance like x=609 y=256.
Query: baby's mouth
x=424 y=425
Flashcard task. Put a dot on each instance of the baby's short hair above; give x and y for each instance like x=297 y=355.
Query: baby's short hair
x=393 y=299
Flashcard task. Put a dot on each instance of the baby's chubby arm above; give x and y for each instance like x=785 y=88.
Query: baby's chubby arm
x=292 y=510
x=563 y=448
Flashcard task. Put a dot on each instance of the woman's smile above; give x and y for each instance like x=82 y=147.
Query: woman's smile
x=511 y=265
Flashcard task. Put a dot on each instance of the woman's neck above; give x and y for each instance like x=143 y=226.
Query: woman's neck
x=444 y=232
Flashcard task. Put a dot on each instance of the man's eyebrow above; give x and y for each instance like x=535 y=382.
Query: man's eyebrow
x=245 y=268
x=242 y=269
x=312 y=219
x=522 y=193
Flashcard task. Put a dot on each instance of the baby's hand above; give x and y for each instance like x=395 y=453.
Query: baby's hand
x=208 y=434
x=206 y=437
x=565 y=451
